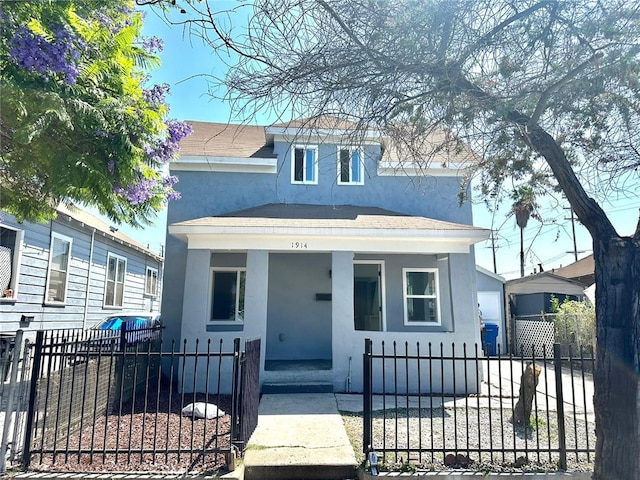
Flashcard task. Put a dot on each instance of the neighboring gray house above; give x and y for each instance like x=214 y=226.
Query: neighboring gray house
x=70 y=272
x=313 y=241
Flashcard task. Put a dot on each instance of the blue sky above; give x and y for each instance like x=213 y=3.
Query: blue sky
x=186 y=64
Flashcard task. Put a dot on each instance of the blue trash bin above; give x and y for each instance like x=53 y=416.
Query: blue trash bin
x=491 y=339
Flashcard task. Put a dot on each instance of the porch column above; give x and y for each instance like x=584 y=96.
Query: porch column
x=341 y=315
x=255 y=300
x=196 y=293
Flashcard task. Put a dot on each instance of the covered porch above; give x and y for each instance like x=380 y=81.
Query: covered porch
x=314 y=281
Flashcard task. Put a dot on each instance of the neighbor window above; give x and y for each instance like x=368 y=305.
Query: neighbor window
x=227 y=294
x=350 y=166
x=151 y=282
x=304 y=165
x=421 y=304
x=10 y=241
x=59 y=261
x=114 y=286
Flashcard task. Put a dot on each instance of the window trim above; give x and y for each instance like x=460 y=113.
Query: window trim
x=106 y=281
x=438 y=321
x=305 y=148
x=212 y=271
x=64 y=238
x=15 y=265
x=154 y=291
x=351 y=149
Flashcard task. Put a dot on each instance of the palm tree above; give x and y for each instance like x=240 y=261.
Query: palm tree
x=524 y=206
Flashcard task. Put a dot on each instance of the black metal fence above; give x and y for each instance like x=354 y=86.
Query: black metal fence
x=435 y=404
x=129 y=401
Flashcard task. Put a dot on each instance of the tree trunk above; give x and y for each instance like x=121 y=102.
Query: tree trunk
x=528 y=384
x=617 y=370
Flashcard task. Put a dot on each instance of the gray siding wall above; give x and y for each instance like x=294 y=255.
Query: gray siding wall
x=34 y=270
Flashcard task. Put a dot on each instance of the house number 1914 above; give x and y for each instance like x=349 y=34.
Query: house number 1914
x=298 y=244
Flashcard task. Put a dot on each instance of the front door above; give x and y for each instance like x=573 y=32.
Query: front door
x=367 y=296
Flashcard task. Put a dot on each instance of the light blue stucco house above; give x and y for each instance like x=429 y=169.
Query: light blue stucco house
x=313 y=240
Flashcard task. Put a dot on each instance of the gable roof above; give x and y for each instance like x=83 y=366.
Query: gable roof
x=544 y=282
x=226 y=140
x=582 y=271
x=327 y=228
x=85 y=218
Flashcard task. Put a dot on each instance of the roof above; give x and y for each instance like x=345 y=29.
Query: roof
x=582 y=271
x=327 y=216
x=277 y=227
x=89 y=220
x=226 y=140
x=544 y=282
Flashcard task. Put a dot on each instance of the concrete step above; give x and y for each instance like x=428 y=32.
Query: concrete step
x=297 y=472
x=297 y=376
x=297 y=387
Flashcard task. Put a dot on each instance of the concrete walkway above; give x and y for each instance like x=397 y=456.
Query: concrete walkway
x=299 y=436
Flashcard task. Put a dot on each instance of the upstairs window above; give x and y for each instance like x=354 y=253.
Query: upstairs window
x=304 y=165
x=10 y=241
x=350 y=166
x=421 y=296
x=227 y=294
x=59 y=261
x=151 y=282
x=114 y=285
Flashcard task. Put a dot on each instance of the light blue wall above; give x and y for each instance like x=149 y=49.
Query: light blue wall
x=213 y=193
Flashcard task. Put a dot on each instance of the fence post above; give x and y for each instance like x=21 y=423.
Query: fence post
x=33 y=391
x=367 y=397
x=562 y=439
x=235 y=390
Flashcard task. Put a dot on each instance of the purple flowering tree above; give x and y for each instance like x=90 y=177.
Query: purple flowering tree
x=78 y=123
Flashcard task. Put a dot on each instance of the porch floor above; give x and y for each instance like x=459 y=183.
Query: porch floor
x=297 y=365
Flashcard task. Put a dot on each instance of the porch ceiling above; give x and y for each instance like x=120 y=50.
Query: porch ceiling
x=280 y=227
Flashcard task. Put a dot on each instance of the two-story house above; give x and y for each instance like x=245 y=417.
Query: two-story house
x=312 y=240
x=71 y=272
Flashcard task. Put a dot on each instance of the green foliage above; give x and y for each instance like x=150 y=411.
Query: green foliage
x=78 y=128
x=574 y=322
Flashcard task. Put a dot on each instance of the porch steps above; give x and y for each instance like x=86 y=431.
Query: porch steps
x=297 y=387
x=299 y=436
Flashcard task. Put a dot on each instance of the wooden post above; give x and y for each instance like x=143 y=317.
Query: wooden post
x=528 y=384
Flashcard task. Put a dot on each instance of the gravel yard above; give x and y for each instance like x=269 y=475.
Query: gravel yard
x=140 y=428
x=479 y=435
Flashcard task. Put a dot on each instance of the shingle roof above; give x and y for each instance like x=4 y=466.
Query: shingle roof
x=583 y=270
x=326 y=216
x=226 y=140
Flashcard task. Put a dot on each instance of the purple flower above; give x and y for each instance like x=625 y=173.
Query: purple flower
x=34 y=53
x=168 y=148
x=156 y=95
x=139 y=192
x=153 y=45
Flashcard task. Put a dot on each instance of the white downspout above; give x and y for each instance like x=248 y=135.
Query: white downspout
x=86 y=293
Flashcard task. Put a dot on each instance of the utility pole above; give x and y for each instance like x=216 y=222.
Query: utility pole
x=573 y=231
x=493 y=250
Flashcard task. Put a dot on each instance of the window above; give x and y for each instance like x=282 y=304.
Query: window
x=114 y=286
x=227 y=294
x=59 y=260
x=304 y=165
x=151 y=282
x=10 y=241
x=350 y=166
x=421 y=303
